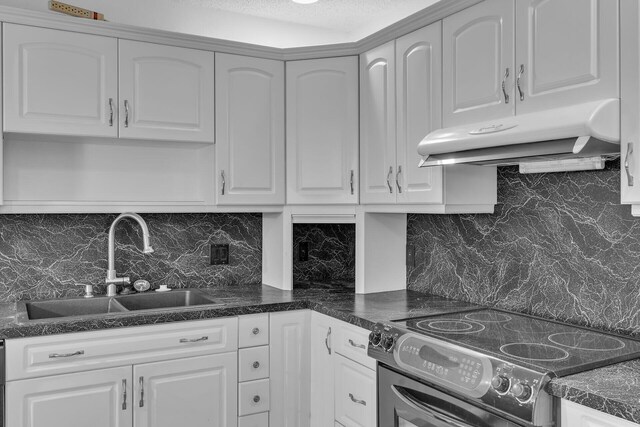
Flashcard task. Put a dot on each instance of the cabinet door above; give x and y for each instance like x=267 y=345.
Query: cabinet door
x=378 y=125
x=59 y=82
x=419 y=111
x=575 y=415
x=290 y=370
x=249 y=130
x=100 y=398
x=323 y=331
x=322 y=131
x=166 y=92
x=355 y=394
x=477 y=51
x=199 y=391
x=568 y=51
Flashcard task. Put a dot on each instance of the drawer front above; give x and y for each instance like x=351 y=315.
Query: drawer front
x=352 y=343
x=253 y=397
x=57 y=354
x=253 y=363
x=256 y=420
x=355 y=398
x=253 y=330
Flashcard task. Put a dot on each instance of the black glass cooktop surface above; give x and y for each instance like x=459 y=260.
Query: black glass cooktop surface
x=555 y=347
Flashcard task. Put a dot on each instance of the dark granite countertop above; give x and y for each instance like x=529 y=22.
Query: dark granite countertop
x=614 y=389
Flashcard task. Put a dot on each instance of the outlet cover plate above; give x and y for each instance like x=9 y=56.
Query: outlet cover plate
x=219 y=254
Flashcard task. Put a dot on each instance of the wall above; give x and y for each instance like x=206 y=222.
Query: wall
x=331 y=252
x=42 y=256
x=559 y=245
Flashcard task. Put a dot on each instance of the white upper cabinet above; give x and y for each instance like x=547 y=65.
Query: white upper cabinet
x=419 y=97
x=478 y=45
x=568 y=52
x=322 y=131
x=249 y=130
x=378 y=125
x=166 y=93
x=59 y=82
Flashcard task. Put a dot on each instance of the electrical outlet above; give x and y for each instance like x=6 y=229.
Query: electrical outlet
x=219 y=254
x=303 y=251
x=411 y=256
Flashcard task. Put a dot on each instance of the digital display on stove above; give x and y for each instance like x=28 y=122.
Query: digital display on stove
x=435 y=360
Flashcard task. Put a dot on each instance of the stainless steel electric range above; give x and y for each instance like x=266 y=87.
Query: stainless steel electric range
x=483 y=368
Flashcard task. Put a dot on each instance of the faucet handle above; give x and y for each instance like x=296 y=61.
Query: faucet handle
x=88 y=290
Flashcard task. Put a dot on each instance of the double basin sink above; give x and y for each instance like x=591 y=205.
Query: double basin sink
x=39 y=310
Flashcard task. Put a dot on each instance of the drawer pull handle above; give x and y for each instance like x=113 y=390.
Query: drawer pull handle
x=56 y=355
x=389 y=179
x=256 y=399
x=111 y=112
x=124 y=395
x=141 y=392
x=126 y=113
x=353 y=344
x=187 y=340
x=326 y=340
x=256 y=364
x=520 y=72
x=358 y=401
x=628 y=167
x=255 y=331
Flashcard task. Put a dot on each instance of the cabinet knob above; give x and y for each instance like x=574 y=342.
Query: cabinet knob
x=256 y=364
x=256 y=399
x=255 y=331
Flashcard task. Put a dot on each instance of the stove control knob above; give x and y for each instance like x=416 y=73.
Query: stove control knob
x=521 y=391
x=387 y=342
x=375 y=337
x=500 y=383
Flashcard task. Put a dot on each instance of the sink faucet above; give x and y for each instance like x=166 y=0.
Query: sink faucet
x=112 y=276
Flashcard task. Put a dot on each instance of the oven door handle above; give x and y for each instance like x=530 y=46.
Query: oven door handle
x=408 y=400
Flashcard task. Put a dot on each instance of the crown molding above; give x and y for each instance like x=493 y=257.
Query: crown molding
x=57 y=21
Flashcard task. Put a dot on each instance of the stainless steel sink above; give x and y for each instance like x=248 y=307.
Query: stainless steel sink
x=157 y=300
x=74 y=307
x=36 y=310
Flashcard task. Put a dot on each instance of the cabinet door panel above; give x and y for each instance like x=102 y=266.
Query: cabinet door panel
x=322 y=130
x=378 y=125
x=323 y=333
x=59 y=82
x=355 y=397
x=478 y=48
x=249 y=130
x=289 y=358
x=84 y=399
x=569 y=49
x=199 y=391
x=166 y=92
x=419 y=111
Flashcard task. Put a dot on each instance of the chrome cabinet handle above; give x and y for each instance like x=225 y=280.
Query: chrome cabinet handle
x=187 y=340
x=126 y=113
x=358 y=401
x=504 y=88
x=141 y=380
x=627 y=165
x=256 y=365
x=398 y=180
x=224 y=183
x=255 y=331
x=520 y=72
x=110 y=111
x=75 y=353
x=256 y=398
x=326 y=340
x=353 y=344
x=124 y=395
x=351 y=182
x=389 y=179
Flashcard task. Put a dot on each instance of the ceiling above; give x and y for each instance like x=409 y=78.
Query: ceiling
x=276 y=23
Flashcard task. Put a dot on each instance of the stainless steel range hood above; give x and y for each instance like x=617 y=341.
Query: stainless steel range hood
x=590 y=130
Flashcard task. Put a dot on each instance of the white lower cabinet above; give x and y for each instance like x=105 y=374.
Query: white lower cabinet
x=100 y=398
x=575 y=415
x=355 y=393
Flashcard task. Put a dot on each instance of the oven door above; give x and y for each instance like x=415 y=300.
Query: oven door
x=405 y=402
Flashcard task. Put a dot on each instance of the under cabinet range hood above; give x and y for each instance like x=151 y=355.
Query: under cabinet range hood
x=570 y=138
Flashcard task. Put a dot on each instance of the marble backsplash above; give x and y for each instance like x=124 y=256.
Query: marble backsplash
x=558 y=245
x=331 y=252
x=42 y=256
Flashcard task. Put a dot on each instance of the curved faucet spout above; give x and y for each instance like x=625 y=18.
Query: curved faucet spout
x=112 y=278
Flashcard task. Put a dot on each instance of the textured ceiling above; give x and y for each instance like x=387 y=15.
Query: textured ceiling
x=345 y=16
x=277 y=23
